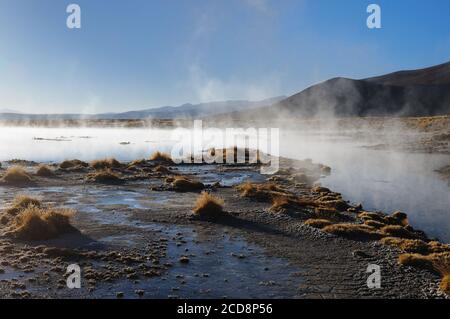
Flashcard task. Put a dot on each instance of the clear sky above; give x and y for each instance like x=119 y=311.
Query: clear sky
x=139 y=54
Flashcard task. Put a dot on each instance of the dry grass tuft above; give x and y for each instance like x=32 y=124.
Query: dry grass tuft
x=105 y=177
x=443 y=266
x=138 y=162
x=264 y=191
x=353 y=231
x=397 y=231
x=374 y=223
x=25 y=201
x=320 y=189
x=372 y=216
x=401 y=218
x=73 y=164
x=107 y=163
x=437 y=247
x=161 y=157
x=338 y=204
x=445 y=283
x=318 y=223
x=163 y=170
x=416 y=260
x=286 y=202
x=44 y=171
x=16 y=175
x=34 y=223
x=209 y=206
x=184 y=184
x=407 y=245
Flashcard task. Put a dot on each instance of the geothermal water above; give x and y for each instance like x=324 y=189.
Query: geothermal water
x=380 y=180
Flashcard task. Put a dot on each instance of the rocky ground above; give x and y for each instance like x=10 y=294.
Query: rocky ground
x=137 y=237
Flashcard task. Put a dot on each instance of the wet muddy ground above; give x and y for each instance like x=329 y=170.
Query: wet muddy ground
x=138 y=239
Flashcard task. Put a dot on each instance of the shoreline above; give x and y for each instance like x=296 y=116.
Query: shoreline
x=326 y=265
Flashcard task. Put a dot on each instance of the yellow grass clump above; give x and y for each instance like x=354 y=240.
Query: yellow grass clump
x=209 y=206
x=397 y=231
x=318 y=223
x=73 y=164
x=285 y=202
x=436 y=262
x=320 y=189
x=264 y=191
x=437 y=247
x=184 y=184
x=162 y=169
x=416 y=260
x=353 y=231
x=407 y=245
x=374 y=224
x=104 y=176
x=138 y=162
x=23 y=201
x=34 y=223
x=16 y=175
x=105 y=163
x=443 y=266
x=161 y=157
x=44 y=171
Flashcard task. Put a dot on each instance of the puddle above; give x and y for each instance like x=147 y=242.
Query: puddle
x=220 y=266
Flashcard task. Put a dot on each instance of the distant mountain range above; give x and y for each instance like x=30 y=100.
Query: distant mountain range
x=424 y=92
x=185 y=111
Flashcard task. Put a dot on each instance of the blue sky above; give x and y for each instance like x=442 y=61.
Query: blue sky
x=138 y=54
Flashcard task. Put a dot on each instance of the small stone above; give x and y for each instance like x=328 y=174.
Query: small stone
x=184 y=260
x=139 y=292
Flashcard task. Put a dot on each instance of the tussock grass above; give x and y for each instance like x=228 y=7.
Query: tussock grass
x=436 y=262
x=104 y=176
x=34 y=223
x=353 y=231
x=407 y=245
x=161 y=157
x=282 y=202
x=320 y=189
x=138 y=162
x=318 y=223
x=162 y=169
x=333 y=202
x=437 y=247
x=372 y=216
x=24 y=201
x=443 y=266
x=401 y=218
x=208 y=206
x=73 y=164
x=416 y=260
x=44 y=171
x=28 y=219
x=184 y=184
x=264 y=191
x=16 y=175
x=374 y=224
x=107 y=163
x=397 y=231
x=397 y=218
x=445 y=282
